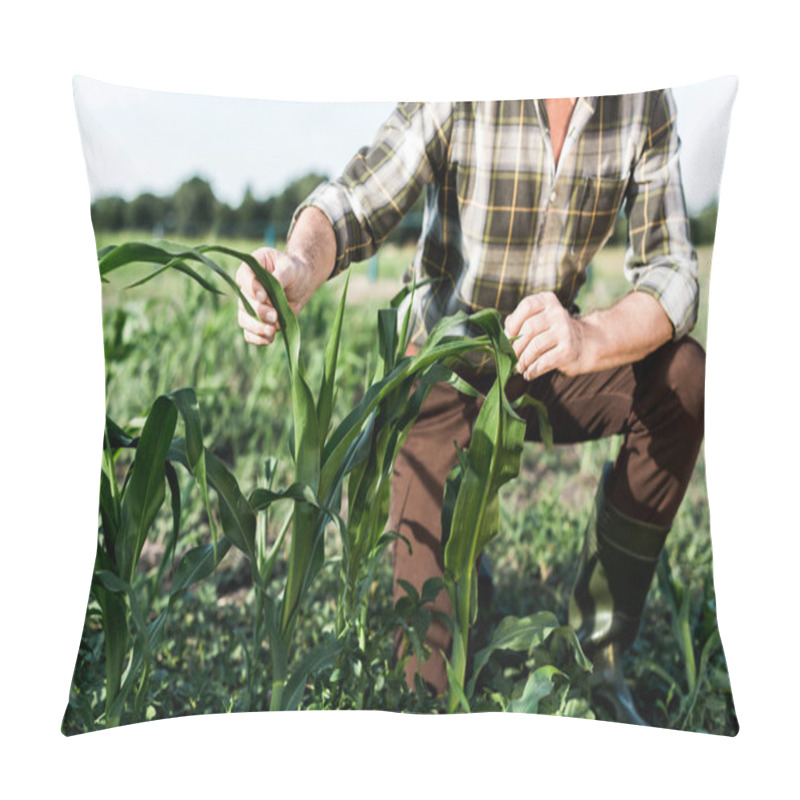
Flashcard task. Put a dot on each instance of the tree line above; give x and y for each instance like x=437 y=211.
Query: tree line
x=193 y=210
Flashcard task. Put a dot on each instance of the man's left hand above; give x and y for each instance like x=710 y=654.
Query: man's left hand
x=549 y=338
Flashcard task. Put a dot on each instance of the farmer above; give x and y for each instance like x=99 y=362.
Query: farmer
x=519 y=198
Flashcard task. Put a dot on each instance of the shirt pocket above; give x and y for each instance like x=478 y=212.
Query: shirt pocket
x=595 y=210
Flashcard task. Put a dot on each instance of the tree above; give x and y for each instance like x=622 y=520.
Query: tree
x=145 y=213
x=225 y=221
x=287 y=201
x=195 y=206
x=108 y=214
x=704 y=225
x=251 y=216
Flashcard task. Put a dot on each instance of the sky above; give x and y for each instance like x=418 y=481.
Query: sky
x=137 y=140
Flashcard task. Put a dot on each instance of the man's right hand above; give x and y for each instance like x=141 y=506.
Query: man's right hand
x=301 y=270
x=289 y=270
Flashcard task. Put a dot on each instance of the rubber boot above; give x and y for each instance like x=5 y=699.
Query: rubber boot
x=615 y=571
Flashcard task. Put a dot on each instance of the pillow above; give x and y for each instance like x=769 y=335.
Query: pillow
x=295 y=530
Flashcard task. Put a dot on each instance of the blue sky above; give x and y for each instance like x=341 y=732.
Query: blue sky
x=137 y=140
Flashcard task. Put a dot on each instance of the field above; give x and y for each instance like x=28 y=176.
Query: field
x=170 y=333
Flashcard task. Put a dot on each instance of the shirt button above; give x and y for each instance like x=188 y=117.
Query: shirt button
x=553 y=197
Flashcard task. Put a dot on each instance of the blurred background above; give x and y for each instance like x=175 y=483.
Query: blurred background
x=191 y=165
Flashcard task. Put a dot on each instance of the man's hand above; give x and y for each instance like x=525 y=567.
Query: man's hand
x=301 y=270
x=549 y=338
x=291 y=273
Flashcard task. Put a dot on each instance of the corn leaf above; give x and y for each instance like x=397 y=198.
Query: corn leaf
x=171 y=256
x=197 y=564
x=109 y=515
x=545 y=429
x=114 y=615
x=326 y=392
x=144 y=643
x=387 y=338
x=404 y=338
x=491 y=460
x=261 y=499
x=472 y=519
x=539 y=686
x=145 y=492
x=175 y=495
x=116 y=436
x=236 y=516
x=185 y=401
x=513 y=633
x=346 y=432
x=319 y=658
x=712 y=643
x=455 y=682
x=111 y=258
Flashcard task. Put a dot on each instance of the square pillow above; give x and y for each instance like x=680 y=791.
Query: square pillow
x=253 y=500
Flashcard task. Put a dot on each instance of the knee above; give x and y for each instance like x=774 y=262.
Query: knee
x=683 y=376
x=687 y=376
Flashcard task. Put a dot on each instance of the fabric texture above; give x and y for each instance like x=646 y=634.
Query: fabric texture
x=501 y=221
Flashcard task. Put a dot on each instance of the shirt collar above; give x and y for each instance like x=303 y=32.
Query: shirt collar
x=584 y=107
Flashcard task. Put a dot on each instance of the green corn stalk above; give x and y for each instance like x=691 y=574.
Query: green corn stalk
x=127 y=514
x=366 y=443
x=471 y=511
x=361 y=448
x=409 y=381
x=369 y=479
x=311 y=422
x=679 y=599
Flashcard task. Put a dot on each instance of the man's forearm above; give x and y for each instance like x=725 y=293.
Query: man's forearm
x=625 y=333
x=313 y=242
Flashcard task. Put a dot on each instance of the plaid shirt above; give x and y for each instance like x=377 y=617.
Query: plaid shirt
x=501 y=221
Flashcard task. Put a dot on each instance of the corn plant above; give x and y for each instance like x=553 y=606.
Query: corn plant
x=471 y=509
x=553 y=669
x=363 y=446
x=274 y=617
x=679 y=599
x=238 y=514
x=128 y=512
x=360 y=449
x=369 y=480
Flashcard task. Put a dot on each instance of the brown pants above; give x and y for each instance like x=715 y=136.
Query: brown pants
x=657 y=404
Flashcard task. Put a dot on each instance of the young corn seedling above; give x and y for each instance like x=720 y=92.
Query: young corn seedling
x=238 y=513
x=369 y=479
x=679 y=599
x=376 y=428
x=361 y=448
x=471 y=510
x=128 y=512
x=318 y=472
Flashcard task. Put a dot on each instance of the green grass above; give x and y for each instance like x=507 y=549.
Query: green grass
x=169 y=333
